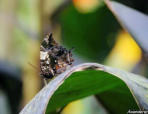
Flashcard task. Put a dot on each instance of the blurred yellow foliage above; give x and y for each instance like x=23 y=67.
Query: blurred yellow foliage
x=125 y=54
x=85 y=6
x=75 y=107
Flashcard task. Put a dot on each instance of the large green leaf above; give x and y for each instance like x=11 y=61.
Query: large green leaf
x=118 y=91
x=92 y=34
x=135 y=22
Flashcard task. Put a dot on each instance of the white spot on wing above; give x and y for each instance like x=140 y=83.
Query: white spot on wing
x=43 y=55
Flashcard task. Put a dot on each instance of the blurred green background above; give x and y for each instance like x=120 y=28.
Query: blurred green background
x=86 y=25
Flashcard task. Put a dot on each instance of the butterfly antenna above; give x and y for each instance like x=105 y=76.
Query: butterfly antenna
x=73 y=48
x=33 y=66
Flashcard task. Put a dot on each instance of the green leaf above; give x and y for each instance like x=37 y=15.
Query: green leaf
x=92 y=34
x=118 y=89
x=135 y=22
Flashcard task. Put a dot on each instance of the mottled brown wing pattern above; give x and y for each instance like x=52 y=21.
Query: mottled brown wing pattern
x=54 y=58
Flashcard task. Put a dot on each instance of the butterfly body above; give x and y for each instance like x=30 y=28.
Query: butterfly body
x=54 y=59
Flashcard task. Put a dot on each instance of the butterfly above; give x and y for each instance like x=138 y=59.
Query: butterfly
x=54 y=58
